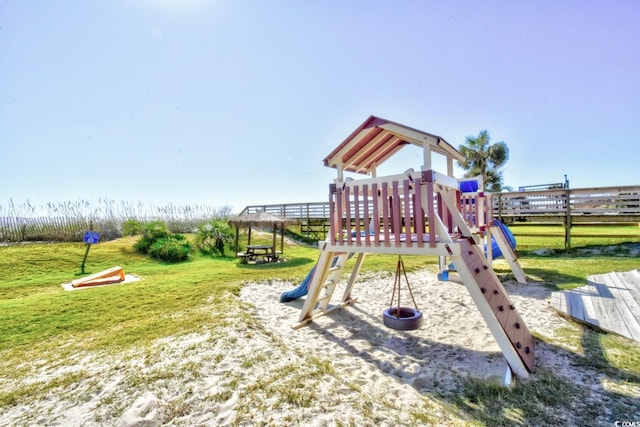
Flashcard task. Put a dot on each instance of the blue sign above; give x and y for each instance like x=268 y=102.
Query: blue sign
x=91 y=237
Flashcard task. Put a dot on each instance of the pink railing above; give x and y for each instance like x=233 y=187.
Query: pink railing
x=476 y=209
x=397 y=211
x=387 y=213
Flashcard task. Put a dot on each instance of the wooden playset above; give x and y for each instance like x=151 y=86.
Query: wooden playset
x=416 y=213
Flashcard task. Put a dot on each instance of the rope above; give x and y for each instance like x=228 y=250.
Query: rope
x=396 y=284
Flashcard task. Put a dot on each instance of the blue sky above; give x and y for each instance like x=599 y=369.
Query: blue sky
x=237 y=102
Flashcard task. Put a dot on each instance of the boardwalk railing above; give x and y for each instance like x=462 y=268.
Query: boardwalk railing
x=596 y=206
x=581 y=205
x=603 y=204
x=299 y=211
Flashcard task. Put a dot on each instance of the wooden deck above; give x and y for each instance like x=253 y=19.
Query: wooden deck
x=610 y=302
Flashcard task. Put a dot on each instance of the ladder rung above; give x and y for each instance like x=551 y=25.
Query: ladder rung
x=336 y=268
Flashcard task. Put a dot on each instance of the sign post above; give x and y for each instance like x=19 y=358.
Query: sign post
x=90 y=238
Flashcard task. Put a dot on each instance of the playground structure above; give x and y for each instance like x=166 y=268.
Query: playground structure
x=415 y=213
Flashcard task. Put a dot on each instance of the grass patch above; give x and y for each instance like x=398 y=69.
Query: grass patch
x=27 y=392
x=544 y=399
x=291 y=384
x=533 y=237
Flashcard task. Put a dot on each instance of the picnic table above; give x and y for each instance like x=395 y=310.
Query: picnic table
x=259 y=254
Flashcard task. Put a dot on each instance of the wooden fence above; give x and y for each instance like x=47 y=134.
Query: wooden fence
x=601 y=206
x=581 y=205
x=17 y=229
x=72 y=229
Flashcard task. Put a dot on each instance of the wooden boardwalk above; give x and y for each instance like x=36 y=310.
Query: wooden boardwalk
x=610 y=302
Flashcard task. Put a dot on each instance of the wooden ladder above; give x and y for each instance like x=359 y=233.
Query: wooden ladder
x=322 y=285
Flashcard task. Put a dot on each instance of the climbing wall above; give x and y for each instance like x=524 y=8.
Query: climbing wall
x=510 y=331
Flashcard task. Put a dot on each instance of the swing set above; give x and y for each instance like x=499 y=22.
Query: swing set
x=399 y=317
x=414 y=213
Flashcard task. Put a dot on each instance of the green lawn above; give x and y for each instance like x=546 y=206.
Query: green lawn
x=532 y=237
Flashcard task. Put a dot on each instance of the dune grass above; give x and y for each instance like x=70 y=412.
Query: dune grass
x=42 y=325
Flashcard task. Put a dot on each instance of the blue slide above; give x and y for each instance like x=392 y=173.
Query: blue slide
x=300 y=291
x=495 y=249
x=303 y=287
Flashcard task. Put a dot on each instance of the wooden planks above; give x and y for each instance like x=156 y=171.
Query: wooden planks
x=610 y=302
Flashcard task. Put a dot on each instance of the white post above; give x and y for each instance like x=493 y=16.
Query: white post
x=426 y=152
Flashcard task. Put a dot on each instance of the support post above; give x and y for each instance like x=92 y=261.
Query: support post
x=567 y=221
x=84 y=260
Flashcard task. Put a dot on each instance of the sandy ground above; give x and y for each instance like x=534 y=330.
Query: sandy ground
x=346 y=368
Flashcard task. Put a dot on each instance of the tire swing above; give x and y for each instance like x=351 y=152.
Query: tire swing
x=398 y=317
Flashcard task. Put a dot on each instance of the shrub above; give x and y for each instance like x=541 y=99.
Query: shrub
x=131 y=227
x=213 y=237
x=158 y=242
x=171 y=249
x=151 y=233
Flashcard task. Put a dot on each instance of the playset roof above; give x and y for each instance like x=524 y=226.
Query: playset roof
x=377 y=139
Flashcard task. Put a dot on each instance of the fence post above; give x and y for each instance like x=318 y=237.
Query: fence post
x=567 y=221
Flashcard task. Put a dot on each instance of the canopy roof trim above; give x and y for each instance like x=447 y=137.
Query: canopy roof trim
x=377 y=139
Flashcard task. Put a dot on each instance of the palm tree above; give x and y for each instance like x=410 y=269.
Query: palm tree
x=485 y=159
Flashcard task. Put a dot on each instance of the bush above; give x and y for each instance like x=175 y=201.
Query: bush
x=213 y=237
x=159 y=243
x=171 y=249
x=131 y=227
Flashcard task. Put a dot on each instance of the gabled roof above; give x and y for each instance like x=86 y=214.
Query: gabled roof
x=375 y=140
